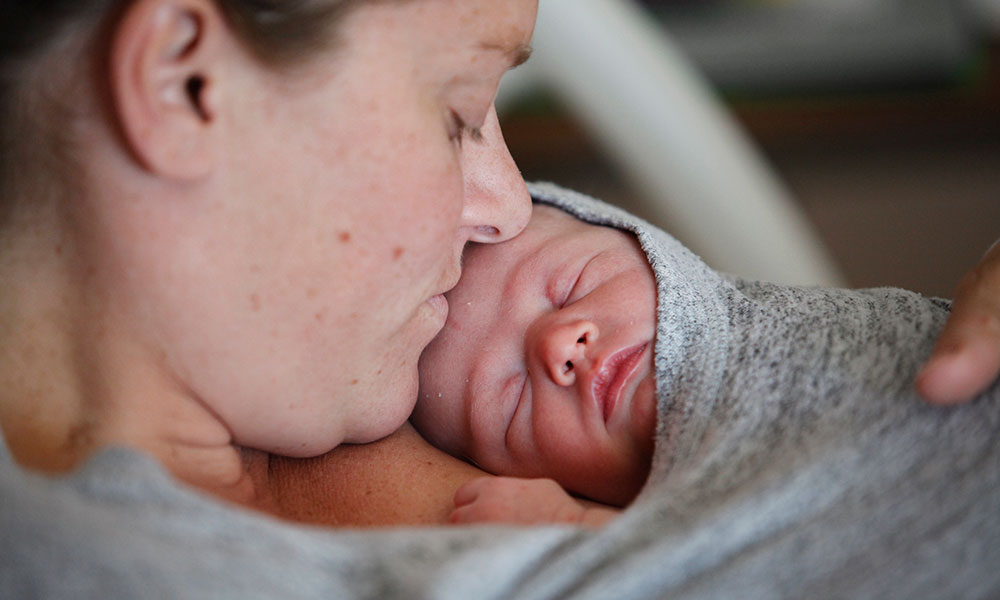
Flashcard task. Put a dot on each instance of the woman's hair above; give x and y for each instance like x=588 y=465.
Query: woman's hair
x=278 y=32
x=275 y=29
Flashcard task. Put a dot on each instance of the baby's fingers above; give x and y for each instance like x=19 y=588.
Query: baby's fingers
x=465 y=515
x=470 y=490
x=477 y=501
x=514 y=500
x=966 y=359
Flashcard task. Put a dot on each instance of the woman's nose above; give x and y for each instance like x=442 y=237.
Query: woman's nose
x=497 y=205
x=565 y=350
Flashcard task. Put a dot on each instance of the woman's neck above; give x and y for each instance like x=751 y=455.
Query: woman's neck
x=74 y=379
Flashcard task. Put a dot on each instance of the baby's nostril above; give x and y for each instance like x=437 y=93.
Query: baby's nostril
x=568 y=366
x=582 y=340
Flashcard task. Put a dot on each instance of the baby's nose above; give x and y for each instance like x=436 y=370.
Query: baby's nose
x=565 y=350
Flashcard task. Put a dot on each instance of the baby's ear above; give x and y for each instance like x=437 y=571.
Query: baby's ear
x=165 y=83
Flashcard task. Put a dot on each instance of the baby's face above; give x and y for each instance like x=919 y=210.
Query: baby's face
x=545 y=365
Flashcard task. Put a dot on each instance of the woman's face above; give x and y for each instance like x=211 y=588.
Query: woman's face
x=544 y=368
x=348 y=193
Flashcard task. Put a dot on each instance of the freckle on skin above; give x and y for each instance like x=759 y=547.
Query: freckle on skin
x=254 y=302
x=345 y=236
x=397 y=252
x=354 y=382
x=312 y=293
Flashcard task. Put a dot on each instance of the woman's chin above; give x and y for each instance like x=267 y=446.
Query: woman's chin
x=387 y=413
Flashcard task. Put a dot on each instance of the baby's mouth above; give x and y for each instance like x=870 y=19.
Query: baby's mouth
x=613 y=376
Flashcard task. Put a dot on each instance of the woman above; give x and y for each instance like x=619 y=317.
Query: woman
x=206 y=204
x=205 y=209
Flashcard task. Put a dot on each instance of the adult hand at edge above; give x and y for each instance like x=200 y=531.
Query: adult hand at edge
x=966 y=358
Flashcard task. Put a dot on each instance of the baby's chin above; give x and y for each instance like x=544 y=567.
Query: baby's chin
x=627 y=469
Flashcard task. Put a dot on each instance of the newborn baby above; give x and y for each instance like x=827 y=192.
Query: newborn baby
x=545 y=365
x=611 y=361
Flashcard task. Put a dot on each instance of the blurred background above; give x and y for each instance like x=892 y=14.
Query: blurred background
x=804 y=141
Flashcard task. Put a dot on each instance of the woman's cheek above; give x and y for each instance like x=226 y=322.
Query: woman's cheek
x=433 y=232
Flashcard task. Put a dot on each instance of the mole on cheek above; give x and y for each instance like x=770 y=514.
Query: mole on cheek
x=345 y=236
x=397 y=252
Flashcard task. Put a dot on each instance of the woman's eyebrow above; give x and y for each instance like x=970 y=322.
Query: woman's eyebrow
x=518 y=54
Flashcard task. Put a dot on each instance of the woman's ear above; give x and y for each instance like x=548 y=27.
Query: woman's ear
x=164 y=68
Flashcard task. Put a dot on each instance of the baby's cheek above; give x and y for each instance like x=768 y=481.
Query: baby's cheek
x=428 y=420
x=644 y=416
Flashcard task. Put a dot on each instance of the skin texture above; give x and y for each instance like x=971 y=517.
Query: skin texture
x=245 y=257
x=399 y=480
x=543 y=329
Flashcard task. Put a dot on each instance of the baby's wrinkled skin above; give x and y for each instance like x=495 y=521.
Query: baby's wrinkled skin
x=545 y=365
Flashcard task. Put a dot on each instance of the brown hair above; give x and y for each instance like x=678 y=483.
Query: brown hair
x=275 y=29
x=278 y=32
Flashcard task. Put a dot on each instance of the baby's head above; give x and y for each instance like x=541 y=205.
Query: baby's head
x=545 y=365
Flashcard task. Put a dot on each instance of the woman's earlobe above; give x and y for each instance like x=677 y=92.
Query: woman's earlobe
x=163 y=64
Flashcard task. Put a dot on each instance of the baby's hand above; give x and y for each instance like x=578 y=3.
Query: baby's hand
x=522 y=501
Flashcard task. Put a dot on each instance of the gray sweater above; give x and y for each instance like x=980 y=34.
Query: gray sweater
x=792 y=460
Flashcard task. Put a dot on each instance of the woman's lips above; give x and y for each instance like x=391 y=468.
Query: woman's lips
x=613 y=376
